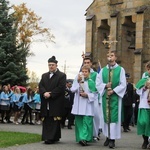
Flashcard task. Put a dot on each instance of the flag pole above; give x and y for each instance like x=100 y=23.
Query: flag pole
x=83 y=56
x=99 y=66
x=99 y=63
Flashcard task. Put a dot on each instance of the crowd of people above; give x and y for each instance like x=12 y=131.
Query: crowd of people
x=19 y=105
x=93 y=102
x=91 y=110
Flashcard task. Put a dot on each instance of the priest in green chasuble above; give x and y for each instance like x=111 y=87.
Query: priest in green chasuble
x=111 y=82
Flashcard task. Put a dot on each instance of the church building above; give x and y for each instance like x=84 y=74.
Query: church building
x=124 y=21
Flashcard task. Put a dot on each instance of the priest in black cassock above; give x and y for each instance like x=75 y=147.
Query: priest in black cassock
x=52 y=90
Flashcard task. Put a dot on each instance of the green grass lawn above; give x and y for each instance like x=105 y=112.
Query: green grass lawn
x=17 y=138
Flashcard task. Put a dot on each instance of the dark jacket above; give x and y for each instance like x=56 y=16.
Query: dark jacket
x=69 y=97
x=128 y=98
x=56 y=85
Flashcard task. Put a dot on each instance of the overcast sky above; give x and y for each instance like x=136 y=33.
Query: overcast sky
x=67 y=22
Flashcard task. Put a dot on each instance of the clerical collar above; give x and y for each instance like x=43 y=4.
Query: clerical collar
x=52 y=72
x=112 y=65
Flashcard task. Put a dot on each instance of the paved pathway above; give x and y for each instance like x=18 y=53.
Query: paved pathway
x=129 y=141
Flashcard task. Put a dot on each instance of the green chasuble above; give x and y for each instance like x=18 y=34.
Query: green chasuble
x=114 y=79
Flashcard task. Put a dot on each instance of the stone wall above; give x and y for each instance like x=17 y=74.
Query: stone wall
x=128 y=22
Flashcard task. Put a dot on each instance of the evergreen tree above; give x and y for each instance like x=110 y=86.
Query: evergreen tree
x=12 y=58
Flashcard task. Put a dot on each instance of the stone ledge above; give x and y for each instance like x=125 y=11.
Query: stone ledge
x=138 y=51
x=141 y=9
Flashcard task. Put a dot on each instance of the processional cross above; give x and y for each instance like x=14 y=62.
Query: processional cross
x=109 y=42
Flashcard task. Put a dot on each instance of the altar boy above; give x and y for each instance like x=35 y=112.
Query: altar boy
x=83 y=107
x=143 y=122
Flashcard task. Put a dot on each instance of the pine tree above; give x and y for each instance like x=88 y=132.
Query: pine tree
x=12 y=68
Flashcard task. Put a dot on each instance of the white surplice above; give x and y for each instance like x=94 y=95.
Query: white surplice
x=96 y=119
x=143 y=98
x=82 y=106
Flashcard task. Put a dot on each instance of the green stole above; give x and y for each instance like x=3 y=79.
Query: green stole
x=141 y=82
x=91 y=85
x=147 y=75
x=114 y=79
x=93 y=75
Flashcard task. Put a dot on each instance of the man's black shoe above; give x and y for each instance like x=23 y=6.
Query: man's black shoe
x=112 y=143
x=125 y=130
x=22 y=122
x=106 y=143
x=83 y=143
x=49 y=142
x=148 y=146
x=144 y=145
x=128 y=129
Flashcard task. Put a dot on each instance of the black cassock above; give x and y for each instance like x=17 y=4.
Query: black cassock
x=52 y=108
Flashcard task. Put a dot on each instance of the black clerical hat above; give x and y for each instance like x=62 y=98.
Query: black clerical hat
x=127 y=75
x=69 y=80
x=52 y=59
